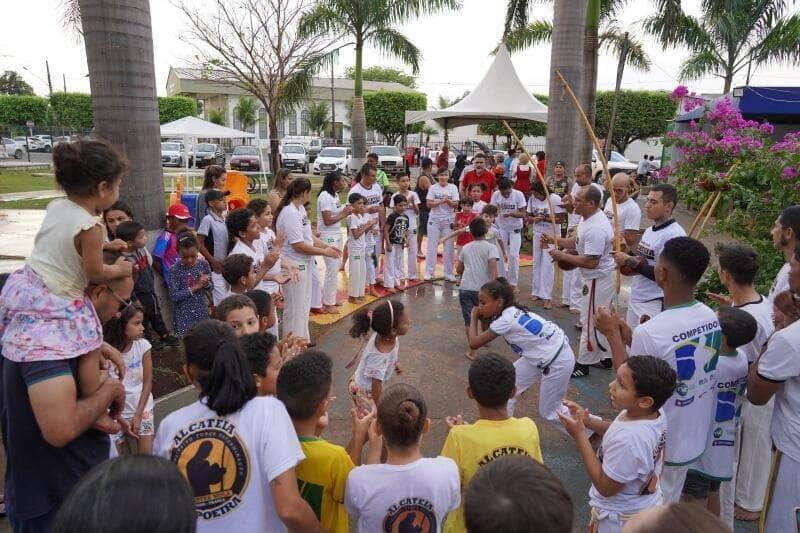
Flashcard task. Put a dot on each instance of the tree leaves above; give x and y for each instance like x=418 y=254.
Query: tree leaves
x=385 y=112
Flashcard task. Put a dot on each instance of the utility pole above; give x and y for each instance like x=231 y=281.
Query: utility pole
x=64 y=79
x=49 y=82
x=333 y=108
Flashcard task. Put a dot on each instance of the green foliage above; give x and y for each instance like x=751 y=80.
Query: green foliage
x=383 y=74
x=174 y=107
x=216 y=116
x=317 y=116
x=15 y=110
x=385 y=112
x=245 y=112
x=72 y=111
x=12 y=83
x=640 y=115
x=522 y=128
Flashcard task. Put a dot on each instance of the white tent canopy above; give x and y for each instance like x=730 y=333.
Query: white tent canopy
x=500 y=95
x=201 y=129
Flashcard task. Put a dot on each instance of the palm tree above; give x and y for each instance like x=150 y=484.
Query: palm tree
x=118 y=38
x=245 y=113
x=427 y=131
x=216 y=116
x=317 y=116
x=729 y=36
x=362 y=22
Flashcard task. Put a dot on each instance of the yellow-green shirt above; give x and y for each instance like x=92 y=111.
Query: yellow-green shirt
x=321 y=478
x=474 y=445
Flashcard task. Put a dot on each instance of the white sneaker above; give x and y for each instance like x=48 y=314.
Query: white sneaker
x=451 y=279
x=427 y=277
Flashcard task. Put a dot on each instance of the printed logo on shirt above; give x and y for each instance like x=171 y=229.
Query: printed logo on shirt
x=211 y=456
x=651 y=485
x=312 y=494
x=410 y=515
x=501 y=452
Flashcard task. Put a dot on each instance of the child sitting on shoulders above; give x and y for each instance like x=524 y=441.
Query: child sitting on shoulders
x=239 y=274
x=304 y=386
x=378 y=359
x=133 y=235
x=409 y=491
x=189 y=283
x=494 y=434
x=716 y=465
x=212 y=235
x=239 y=312
x=625 y=471
x=265 y=360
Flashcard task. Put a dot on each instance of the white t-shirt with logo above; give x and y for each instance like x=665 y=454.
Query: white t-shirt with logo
x=540 y=208
x=762 y=312
x=574 y=218
x=629 y=213
x=413 y=497
x=512 y=204
x=328 y=202
x=478 y=206
x=781 y=362
x=230 y=461
x=650 y=246
x=688 y=337
x=595 y=237
x=294 y=225
x=258 y=252
x=437 y=193
x=373 y=196
x=375 y=364
x=356 y=244
x=528 y=334
x=134 y=376
x=731 y=383
x=781 y=282
x=413 y=199
x=632 y=453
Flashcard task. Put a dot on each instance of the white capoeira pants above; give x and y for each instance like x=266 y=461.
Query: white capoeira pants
x=393 y=266
x=438 y=228
x=571 y=288
x=542 y=284
x=596 y=293
x=756 y=455
x=357 y=273
x=369 y=251
x=332 y=265
x=553 y=386
x=603 y=521
x=411 y=255
x=316 y=286
x=672 y=480
x=513 y=240
x=297 y=302
x=638 y=310
x=783 y=497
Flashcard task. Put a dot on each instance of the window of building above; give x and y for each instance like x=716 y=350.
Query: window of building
x=263 y=124
x=281 y=127
x=292 y=123
x=304 y=123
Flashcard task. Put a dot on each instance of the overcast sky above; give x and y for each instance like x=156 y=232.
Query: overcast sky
x=456 y=50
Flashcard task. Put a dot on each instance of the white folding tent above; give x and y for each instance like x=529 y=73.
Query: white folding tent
x=499 y=96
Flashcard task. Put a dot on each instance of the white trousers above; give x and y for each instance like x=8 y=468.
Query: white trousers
x=553 y=386
x=784 y=496
x=608 y=521
x=220 y=288
x=297 y=302
x=596 y=293
x=411 y=255
x=316 y=286
x=571 y=288
x=512 y=239
x=369 y=251
x=672 y=480
x=357 y=274
x=637 y=310
x=438 y=228
x=756 y=455
x=331 y=269
x=542 y=284
x=393 y=266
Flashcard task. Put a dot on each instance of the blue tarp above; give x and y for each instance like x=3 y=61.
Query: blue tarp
x=757 y=102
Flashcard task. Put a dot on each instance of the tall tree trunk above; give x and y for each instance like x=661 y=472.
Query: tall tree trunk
x=588 y=87
x=119 y=52
x=728 y=81
x=359 y=126
x=563 y=121
x=274 y=154
x=620 y=70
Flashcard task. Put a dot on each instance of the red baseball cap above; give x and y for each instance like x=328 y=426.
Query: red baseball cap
x=179 y=211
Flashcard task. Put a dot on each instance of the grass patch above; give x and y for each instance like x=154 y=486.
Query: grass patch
x=25 y=180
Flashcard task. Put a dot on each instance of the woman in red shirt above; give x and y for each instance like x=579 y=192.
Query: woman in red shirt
x=524 y=173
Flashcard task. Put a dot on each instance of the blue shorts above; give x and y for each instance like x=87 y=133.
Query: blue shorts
x=468 y=300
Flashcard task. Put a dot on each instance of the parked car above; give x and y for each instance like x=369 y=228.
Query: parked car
x=294 y=156
x=312 y=144
x=14 y=148
x=245 y=158
x=46 y=142
x=389 y=159
x=207 y=154
x=3 y=151
x=172 y=154
x=616 y=163
x=59 y=140
x=332 y=158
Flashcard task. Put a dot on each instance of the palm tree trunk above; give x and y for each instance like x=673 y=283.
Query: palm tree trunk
x=620 y=70
x=119 y=52
x=359 y=126
x=728 y=81
x=562 y=119
x=588 y=88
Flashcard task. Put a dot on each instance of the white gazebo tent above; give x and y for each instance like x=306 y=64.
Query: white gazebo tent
x=499 y=96
x=193 y=128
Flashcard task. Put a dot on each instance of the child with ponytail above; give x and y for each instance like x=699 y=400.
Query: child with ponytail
x=409 y=492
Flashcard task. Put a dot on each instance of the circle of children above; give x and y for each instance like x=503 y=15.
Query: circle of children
x=695 y=389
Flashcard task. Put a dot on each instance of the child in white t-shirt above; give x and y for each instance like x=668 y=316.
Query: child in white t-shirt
x=358 y=224
x=126 y=334
x=476 y=193
x=718 y=461
x=409 y=492
x=626 y=469
x=378 y=359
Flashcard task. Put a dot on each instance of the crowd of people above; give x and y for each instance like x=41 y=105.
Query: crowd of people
x=695 y=389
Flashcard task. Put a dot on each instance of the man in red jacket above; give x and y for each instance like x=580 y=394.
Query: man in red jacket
x=479 y=175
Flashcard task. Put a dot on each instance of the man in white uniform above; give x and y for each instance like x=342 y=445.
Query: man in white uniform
x=686 y=335
x=571 y=281
x=647 y=298
x=373 y=199
x=539 y=216
x=510 y=219
x=785 y=234
x=594 y=241
x=629 y=214
x=777 y=372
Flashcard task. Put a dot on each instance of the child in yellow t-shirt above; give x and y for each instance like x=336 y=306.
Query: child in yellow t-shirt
x=304 y=387
x=494 y=434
